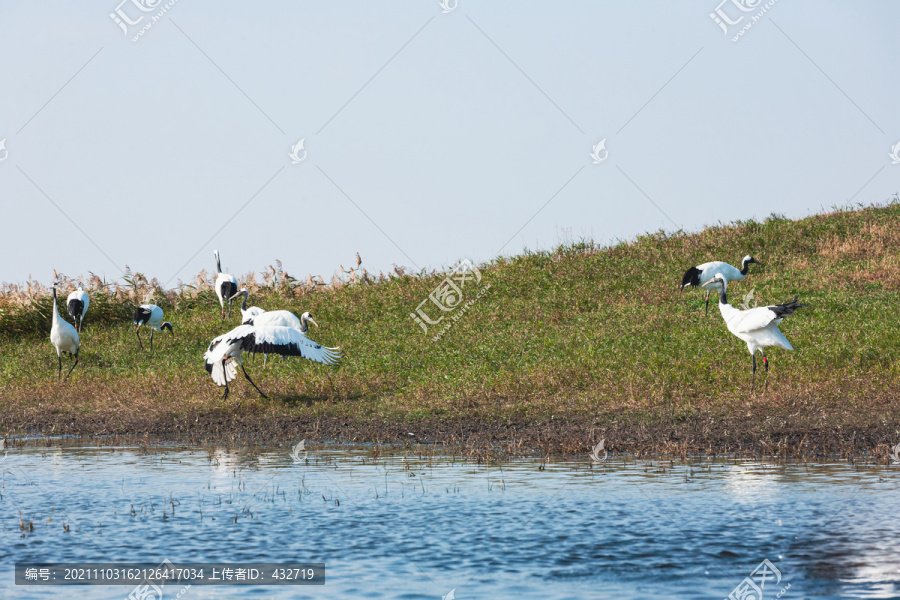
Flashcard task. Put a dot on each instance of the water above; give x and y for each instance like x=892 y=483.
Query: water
x=404 y=527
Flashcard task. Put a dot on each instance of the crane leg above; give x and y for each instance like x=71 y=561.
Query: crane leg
x=137 y=332
x=251 y=382
x=229 y=310
x=265 y=360
x=151 y=340
x=74 y=364
x=59 y=373
x=753 y=376
x=707 y=303
x=766 y=363
x=225 y=395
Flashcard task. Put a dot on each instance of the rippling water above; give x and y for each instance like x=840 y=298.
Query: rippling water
x=405 y=527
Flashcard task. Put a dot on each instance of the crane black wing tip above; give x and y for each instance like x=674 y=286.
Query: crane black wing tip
x=691 y=278
x=795 y=304
x=786 y=309
x=75 y=307
x=141 y=315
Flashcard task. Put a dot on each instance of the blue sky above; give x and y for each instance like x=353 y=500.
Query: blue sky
x=430 y=136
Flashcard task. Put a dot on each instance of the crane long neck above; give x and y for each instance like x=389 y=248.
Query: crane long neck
x=304 y=326
x=244 y=301
x=744 y=267
x=55 y=311
x=723 y=296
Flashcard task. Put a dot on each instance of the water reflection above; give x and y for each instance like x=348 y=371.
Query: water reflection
x=392 y=524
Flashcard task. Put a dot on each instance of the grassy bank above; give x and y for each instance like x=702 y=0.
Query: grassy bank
x=561 y=349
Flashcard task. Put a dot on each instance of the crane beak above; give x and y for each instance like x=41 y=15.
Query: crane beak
x=710 y=282
x=311 y=320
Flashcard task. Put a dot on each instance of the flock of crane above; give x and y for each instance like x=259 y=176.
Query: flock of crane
x=267 y=332
x=282 y=332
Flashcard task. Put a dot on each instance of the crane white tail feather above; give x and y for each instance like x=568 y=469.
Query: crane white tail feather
x=223 y=374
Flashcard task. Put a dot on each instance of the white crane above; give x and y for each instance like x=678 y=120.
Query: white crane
x=281 y=318
x=77 y=305
x=758 y=327
x=226 y=286
x=226 y=350
x=152 y=316
x=701 y=274
x=247 y=313
x=64 y=336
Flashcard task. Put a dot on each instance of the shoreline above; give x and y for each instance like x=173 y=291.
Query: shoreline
x=480 y=438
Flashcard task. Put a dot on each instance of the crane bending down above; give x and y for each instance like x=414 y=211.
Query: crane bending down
x=152 y=316
x=226 y=350
x=64 y=337
x=758 y=327
x=226 y=286
x=247 y=313
x=700 y=275
x=77 y=305
x=282 y=318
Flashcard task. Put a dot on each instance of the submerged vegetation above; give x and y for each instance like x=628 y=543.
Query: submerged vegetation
x=550 y=351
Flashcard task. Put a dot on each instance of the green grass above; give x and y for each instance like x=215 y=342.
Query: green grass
x=596 y=336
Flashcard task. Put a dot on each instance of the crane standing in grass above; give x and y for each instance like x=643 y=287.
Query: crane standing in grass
x=226 y=350
x=152 y=316
x=77 y=305
x=226 y=286
x=700 y=275
x=758 y=327
x=64 y=337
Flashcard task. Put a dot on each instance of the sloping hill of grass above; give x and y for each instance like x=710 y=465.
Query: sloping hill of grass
x=559 y=349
